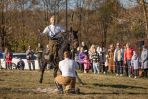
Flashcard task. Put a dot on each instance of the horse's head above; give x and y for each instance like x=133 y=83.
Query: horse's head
x=74 y=39
x=74 y=35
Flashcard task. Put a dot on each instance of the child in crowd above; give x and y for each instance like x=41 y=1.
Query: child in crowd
x=81 y=57
x=90 y=52
x=95 y=61
x=87 y=64
x=135 y=63
x=8 y=60
x=106 y=64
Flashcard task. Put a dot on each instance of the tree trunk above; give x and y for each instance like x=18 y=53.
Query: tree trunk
x=2 y=28
x=145 y=16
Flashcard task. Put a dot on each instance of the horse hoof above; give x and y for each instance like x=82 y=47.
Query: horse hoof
x=82 y=84
x=77 y=90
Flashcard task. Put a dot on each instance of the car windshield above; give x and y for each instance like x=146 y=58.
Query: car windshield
x=22 y=56
x=17 y=55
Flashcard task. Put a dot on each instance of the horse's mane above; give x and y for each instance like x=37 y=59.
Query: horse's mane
x=69 y=43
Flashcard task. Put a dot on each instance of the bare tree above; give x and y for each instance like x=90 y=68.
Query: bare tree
x=143 y=5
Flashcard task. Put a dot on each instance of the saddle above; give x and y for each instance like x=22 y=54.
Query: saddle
x=53 y=38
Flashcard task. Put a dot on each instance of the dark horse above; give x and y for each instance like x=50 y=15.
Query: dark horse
x=68 y=43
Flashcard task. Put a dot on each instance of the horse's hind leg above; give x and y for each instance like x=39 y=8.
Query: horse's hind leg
x=56 y=59
x=42 y=71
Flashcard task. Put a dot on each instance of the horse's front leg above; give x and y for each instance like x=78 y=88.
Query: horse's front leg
x=55 y=71
x=56 y=67
x=42 y=71
x=79 y=80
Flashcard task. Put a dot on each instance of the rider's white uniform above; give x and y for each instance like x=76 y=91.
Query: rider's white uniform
x=52 y=30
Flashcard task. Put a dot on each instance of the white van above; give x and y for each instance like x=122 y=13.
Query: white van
x=15 y=59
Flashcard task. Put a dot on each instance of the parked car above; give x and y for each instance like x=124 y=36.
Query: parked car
x=15 y=60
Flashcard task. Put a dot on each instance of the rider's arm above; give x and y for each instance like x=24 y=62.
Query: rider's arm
x=46 y=30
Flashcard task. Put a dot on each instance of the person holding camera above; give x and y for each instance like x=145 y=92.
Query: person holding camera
x=30 y=58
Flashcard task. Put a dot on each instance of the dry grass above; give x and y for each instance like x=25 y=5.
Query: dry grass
x=19 y=85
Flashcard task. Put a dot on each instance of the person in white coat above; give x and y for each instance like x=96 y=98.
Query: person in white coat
x=135 y=63
x=144 y=60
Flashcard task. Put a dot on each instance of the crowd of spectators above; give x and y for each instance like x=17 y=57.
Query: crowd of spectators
x=118 y=60
x=115 y=59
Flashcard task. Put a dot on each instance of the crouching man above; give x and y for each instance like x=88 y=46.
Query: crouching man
x=67 y=68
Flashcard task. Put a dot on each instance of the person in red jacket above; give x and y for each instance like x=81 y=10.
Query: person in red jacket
x=128 y=53
x=9 y=60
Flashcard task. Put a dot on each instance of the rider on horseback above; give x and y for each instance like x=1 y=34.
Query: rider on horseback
x=54 y=32
x=58 y=43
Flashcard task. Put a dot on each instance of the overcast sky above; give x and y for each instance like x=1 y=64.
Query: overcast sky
x=128 y=3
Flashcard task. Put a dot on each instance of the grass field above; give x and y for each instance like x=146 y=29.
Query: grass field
x=20 y=85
